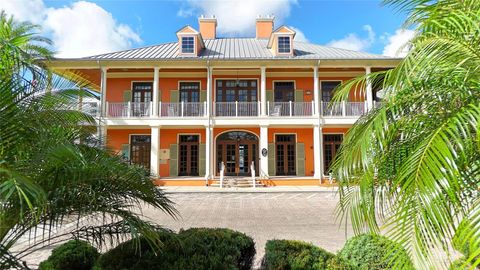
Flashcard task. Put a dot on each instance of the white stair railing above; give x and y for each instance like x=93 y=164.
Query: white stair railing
x=222 y=173
x=252 y=170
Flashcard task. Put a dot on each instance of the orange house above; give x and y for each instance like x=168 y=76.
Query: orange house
x=203 y=109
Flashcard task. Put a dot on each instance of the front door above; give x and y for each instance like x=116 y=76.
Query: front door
x=141 y=98
x=188 y=155
x=285 y=154
x=237 y=150
x=140 y=150
x=331 y=144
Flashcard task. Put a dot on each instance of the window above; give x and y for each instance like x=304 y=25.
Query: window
x=189 y=91
x=142 y=92
x=331 y=144
x=240 y=90
x=284 y=45
x=327 y=90
x=188 y=45
x=284 y=91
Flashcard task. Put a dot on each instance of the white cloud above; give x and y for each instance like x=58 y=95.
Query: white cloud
x=84 y=28
x=81 y=29
x=237 y=17
x=299 y=35
x=24 y=10
x=354 y=42
x=397 y=43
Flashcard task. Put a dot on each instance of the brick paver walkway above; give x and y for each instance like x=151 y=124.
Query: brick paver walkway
x=302 y=216
x=307 y=216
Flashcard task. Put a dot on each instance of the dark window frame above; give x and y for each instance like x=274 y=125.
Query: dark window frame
x=329 y=90
x=188 y=45
x=284 y=43
x=224 y=92
x=331 y=141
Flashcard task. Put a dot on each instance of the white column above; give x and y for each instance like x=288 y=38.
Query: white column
x=317 y=152
x=103 y=90
x=264 y=145
x=209 y=91
x=208 y=152
x=155 y=97
x=316 y=90
x=368 y=90
x=154 y=150
x=263 y=90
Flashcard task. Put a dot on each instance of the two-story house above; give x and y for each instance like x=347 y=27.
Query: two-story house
x=204 y=106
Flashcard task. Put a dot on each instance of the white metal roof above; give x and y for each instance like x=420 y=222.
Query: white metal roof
x=236 y=49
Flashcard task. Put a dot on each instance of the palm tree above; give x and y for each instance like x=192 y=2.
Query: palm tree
x=411 y=168
x=21 y=47
x=52 y=170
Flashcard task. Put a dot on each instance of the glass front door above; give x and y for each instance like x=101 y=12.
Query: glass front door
x=237 y=150
x=285 y=154
x=141 y=97
x=188 y=155
x=140 y=150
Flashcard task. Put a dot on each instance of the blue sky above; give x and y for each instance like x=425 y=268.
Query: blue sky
x=81 y=28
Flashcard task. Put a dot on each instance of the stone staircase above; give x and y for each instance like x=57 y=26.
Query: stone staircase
x=236 y=181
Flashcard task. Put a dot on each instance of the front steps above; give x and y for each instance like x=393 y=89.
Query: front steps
x=235 y=181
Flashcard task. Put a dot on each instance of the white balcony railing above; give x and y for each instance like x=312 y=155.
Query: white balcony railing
x=129 y=109
x=290 y=108
x=355 y=108
x=226 y=109
x=91 y=108
x=182 y=109
x=236 y=109
x=342 y=109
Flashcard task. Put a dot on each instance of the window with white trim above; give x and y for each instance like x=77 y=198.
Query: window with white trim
x=284 y=45
x=188 y=44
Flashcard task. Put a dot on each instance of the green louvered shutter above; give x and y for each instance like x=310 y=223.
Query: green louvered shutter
x=125 y=151
x=201 y=165
x=300 y=155
x=298 y=95
x=174 y=96
x=173 y=159
x=269 y=94
x=203 y=96
x=127 y=96
x=271 y=159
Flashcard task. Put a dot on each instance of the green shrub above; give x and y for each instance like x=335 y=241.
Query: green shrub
x=338 y=263
x=374 y=252
x=289 y=254
x=212 y=248
x=198 y=248
x=73 y=255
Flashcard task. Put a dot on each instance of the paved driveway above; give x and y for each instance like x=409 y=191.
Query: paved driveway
x=301 y=216
x=304 y=216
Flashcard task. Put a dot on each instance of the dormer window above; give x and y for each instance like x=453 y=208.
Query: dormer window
x=284 y=45
x=188 y=44
x=281 y=42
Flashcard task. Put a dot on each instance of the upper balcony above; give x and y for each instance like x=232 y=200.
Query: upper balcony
x=192 y=110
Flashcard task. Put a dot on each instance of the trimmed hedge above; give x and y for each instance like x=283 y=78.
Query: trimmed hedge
x=73 y=255
x=198 y=248
x=373 y=252
x=290 y=254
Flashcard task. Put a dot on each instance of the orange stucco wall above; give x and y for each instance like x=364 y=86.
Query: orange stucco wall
x=117 y=137
x=117 y=86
